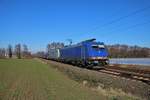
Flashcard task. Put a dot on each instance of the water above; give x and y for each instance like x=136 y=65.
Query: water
x=134 y=61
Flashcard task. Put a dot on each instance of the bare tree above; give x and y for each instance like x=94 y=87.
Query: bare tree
x=54 y=45
x=2 y=52
x=25 y=50
x=125 y=51
x=18 y=51
x=70 y=41
x=10 y=51
x=40 y=54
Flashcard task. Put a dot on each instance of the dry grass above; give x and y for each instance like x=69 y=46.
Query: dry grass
x=28 y=79
x=110 y=86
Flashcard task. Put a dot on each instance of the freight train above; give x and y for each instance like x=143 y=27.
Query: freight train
x=87 y=53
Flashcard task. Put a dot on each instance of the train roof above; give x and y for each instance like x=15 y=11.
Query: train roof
x=90 y=40
x=93 y=40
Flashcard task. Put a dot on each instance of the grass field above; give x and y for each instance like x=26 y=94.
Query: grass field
x=29 y=79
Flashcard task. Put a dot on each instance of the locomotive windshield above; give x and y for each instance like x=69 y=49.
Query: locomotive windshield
x=98 y=46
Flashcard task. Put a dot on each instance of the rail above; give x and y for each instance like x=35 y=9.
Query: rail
x=128 y=74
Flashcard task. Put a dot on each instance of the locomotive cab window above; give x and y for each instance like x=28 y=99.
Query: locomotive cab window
x=98 y=46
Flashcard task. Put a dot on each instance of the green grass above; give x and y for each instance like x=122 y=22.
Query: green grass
x=28 y=79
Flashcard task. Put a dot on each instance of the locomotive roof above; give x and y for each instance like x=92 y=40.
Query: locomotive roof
x=90 y=40
x=84 y=42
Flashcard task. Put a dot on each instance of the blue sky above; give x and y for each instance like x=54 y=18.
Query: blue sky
x=38 y=22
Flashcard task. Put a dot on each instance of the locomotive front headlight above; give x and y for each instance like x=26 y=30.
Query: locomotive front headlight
x=95 y=62
x=107 y=61
x=101 y=46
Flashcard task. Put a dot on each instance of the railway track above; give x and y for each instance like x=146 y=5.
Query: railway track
x=140 y=75
x=144 y=77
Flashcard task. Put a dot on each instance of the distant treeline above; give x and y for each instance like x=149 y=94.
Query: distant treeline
x=19 y=51
x=125 y=51
x=115 y=51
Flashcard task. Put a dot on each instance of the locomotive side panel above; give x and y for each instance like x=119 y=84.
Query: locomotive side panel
x=71 y=53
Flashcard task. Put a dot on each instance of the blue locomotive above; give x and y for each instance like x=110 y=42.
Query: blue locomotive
x=88 y=53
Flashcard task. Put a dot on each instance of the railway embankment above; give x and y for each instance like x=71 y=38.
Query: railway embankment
x=97 y=80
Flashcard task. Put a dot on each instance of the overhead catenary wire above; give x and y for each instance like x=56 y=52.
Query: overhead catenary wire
x=121 y=18
x=130 y=27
